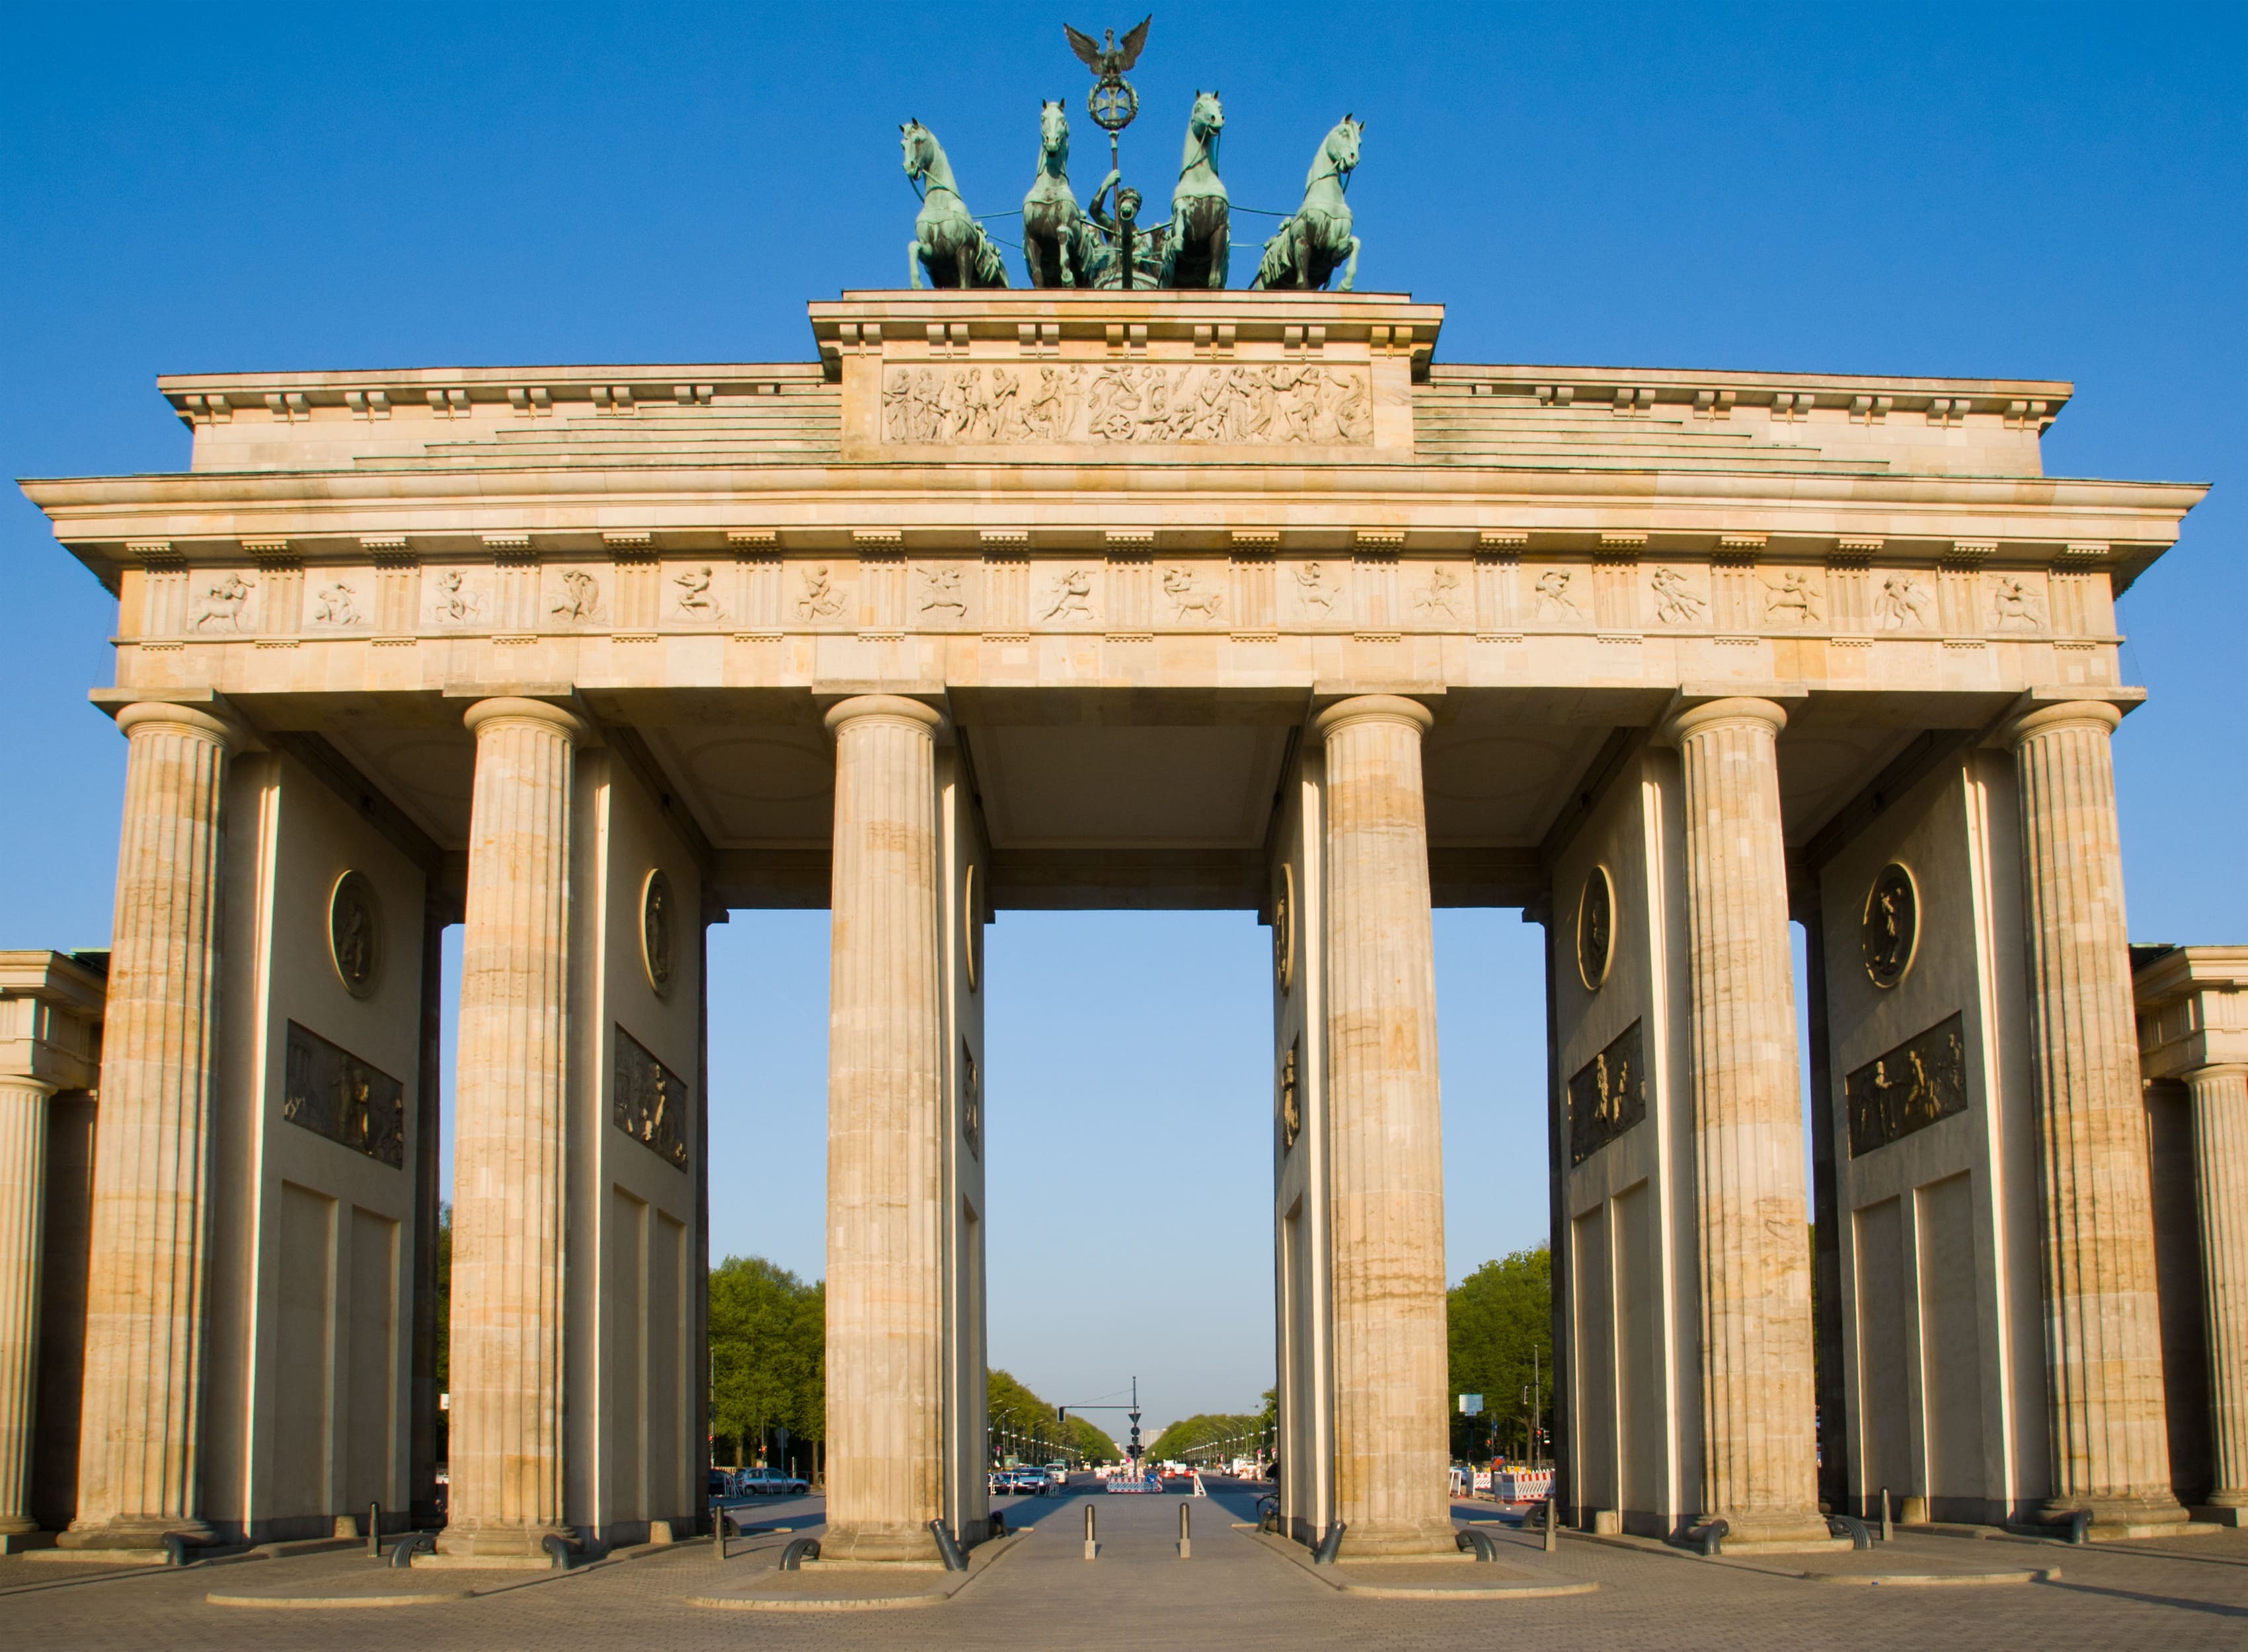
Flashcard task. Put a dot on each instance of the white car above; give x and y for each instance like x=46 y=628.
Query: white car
x=769 y=1483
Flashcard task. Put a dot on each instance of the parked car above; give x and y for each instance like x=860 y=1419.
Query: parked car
x=770 y=1482
x=721 y=1484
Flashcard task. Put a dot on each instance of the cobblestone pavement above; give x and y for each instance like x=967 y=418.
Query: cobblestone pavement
x=2183 y=1594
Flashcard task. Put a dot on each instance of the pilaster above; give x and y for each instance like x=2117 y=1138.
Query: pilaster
x=22 y=1181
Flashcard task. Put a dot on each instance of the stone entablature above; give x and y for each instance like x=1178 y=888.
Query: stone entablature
x=51 y=1008
x=2192 y=1007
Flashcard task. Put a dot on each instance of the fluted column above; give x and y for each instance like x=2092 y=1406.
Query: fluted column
x=2103 y=1326
x=1759 y=1463
x=2220 y=1166
x=23 y=1185
x=885 y=1081
x=510 y=1136
x=1385 y=1143
x=138 y=1456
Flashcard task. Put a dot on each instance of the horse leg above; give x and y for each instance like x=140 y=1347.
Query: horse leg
x=1221 y=252
x=915 y=252
x=1350 y=273
x=1034 y=257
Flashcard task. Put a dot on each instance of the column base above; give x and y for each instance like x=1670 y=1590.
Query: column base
x=16 y=1525
x=1365 y=1542
x=1770 y=1526
x=871 y=1542
x=2160 y=1509
x=135 y=1531
x=498 y=1541
x=2215 y=1514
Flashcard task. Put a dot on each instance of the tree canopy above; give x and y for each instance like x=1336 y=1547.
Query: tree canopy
x=1013 y=1408
x=768 y=1350
x=1497 y=1315
x=1206 y=1434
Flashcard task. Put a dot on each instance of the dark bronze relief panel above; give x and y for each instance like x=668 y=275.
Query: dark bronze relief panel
x=330 y=1092
x=1922 y=1080
x=650 y=1102
x=1608 y=1097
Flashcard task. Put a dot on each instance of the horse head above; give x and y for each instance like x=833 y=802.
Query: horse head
x=1207 y=118
x=1341 y=146
x=920 y=146
x=1053 y=134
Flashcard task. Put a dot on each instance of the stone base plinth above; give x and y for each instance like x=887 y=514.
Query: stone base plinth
x=1401 y=1542
x=483 y=1562
x=136 y=1534
x=2219 y=1514
x=883 y=1545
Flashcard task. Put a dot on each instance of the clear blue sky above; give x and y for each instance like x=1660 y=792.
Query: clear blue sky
x=2034 y=190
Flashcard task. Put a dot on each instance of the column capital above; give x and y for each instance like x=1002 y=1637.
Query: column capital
x=148 y=713
x=1372 y=708
x=2073 y=713
x=1747 y=710
x=509 y=709
x=892 y=708
x=24 y=1082
x=2210 y=1070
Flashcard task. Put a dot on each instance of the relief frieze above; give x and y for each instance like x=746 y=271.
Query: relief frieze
x=1607 y=1096
x=649 y=1103
x=1921 y=1081
x=1238 y=404
x=330 y=1092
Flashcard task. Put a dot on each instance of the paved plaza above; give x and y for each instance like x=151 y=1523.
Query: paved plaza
x=1235 y=1592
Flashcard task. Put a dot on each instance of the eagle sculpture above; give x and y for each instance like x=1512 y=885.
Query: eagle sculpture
x=1109 y=61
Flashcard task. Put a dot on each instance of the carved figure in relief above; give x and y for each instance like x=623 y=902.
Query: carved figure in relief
x=220 y=605
x=1313 y=589
x=456 y=604
x=1072 y=596
x=941 y=588
x=1179 y=586
x=694 y=596
x=1553 y=599
x=2018 y=605
x=1130 y=402
x=337 y=605
x=581 y=596
x=1436 y=597
x=819 y=600
x=1675 y=603
x=1792 y=599
x=1902 y=603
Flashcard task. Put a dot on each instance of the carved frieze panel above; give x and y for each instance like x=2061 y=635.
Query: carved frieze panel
x=1921 y=1081
x=1289 y=1104
x=330 y=1092
x=650 y=1102
x=971 y=1100
x=1126 y=403
x=1607 y=1096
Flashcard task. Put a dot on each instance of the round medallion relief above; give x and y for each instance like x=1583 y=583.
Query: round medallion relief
x=658 y=922
x=355 y=933
x=1284 y=929
x=1596 y=929
x=1891 y=932
x=973 y=942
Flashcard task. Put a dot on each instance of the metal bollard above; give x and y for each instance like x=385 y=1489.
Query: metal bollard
x=1887 y=1531
x=1552 y=1527
x=1091 y=1545
x=718 y=1525
x=374 y=1530
x=1186 y=1532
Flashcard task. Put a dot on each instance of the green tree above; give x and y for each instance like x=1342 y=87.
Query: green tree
x=1500 y=1327
x=1012 y=1407
x=768 y=1352
x=1206 y=1432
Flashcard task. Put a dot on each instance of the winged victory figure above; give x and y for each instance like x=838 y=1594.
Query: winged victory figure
x=1109 y=61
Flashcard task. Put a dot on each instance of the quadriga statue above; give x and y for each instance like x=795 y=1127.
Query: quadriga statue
x=1304 y=251
x=1059 y=244
x=948 y=244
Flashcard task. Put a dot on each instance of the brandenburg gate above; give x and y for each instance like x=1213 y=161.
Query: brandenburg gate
x=1086 y=597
